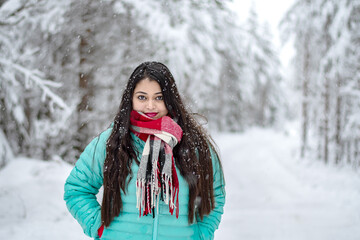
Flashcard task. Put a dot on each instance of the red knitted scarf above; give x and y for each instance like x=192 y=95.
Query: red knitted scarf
x=156 y=177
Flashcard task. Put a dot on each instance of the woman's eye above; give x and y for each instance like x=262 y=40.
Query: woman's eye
x=159 y=98
x=141 y=97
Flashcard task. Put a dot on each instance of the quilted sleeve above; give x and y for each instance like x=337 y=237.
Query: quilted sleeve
x=83 y=184
x=211 y=222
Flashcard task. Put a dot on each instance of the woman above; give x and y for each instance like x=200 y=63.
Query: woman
x=161 y=175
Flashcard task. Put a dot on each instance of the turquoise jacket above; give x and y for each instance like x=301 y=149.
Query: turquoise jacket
x=84 y=183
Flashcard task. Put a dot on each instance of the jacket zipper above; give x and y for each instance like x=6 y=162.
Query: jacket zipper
x=156 y=222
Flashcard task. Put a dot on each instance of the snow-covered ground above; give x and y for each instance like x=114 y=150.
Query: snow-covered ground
x=270 y=194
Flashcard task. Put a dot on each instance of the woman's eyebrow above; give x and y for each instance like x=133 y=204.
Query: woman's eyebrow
x=141 y=92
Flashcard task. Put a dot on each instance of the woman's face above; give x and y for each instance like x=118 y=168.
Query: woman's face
x=148 y=98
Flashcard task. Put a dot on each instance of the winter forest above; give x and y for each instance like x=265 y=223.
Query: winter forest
x=64 y=66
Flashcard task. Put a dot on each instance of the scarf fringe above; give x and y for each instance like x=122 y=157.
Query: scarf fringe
x=151 y=186
x=170 y=194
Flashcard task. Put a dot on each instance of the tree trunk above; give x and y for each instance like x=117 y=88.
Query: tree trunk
x=305 y=97
x=357 y=153
x=326 y=119
x=348 y=151
x=339 y=145
x=86 y=91
x=327 y=68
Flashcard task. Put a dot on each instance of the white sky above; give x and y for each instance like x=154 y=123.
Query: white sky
x=272 y=12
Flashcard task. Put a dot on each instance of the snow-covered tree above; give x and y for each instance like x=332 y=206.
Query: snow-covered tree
x=85 y=52
x=264 y=90
x=326 y=36
x=30 y=108
x=298 y=23
x=344 y=55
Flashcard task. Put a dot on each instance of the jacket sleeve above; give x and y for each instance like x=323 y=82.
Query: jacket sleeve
x=83 y=184
x=211 y=222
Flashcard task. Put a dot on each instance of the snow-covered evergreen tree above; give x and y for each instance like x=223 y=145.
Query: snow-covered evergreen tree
x=326 y=36
x=30 y=109
x=344 y=55
x=299 y=24
x=264 y=91
x=87 y=50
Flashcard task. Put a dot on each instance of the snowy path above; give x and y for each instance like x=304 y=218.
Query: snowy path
x=271 y=197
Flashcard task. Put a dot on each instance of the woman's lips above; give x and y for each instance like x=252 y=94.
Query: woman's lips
x=151 y=115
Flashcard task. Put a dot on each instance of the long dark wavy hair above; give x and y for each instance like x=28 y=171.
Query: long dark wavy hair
x=192 y=153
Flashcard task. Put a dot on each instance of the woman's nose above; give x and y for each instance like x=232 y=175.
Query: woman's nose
x=150 y=104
